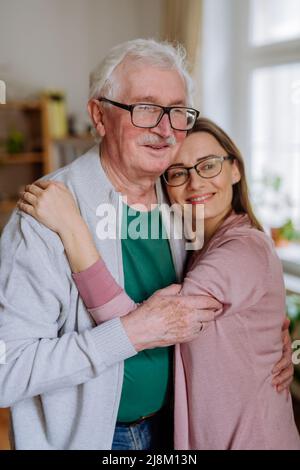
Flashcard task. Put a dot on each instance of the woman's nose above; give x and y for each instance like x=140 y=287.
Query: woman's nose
x=195 y=181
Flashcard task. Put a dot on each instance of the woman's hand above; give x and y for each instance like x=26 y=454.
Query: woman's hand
x=52 y=204
x=284 y=370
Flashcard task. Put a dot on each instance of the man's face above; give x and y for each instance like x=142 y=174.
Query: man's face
x=125 y=143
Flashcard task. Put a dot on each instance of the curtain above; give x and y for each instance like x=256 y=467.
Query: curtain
x=182 y=23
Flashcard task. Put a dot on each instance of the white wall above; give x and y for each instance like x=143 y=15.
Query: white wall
x=218 y=47
x=55 y=43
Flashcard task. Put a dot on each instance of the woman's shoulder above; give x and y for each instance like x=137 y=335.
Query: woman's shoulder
x=235 y=268
x=239 y=238
x=239 y=229
x=245 y=235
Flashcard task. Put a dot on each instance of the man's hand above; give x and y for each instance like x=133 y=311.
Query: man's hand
x=284 y=369
x=167 y=318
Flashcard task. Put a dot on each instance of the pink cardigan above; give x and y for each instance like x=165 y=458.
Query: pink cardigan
x=223 y=393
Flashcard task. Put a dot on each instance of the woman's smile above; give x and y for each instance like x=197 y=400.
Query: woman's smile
x=200 y=198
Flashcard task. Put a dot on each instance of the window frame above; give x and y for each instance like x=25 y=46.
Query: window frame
x=249 y=57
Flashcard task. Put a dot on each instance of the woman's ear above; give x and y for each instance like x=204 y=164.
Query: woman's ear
x=96 y=114
x=235 y=172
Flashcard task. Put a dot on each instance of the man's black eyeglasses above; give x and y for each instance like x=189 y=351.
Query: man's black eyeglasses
x=148 y=115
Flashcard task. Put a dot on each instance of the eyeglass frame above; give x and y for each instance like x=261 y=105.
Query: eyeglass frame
x=166 y=110
x=194 y=167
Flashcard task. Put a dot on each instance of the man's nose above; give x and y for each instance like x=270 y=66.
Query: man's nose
x=163 y=128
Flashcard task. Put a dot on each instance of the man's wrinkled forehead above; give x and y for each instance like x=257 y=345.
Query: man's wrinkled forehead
x=149 y=83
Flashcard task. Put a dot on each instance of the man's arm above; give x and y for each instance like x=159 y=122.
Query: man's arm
x=105 y=299
x=104 y=304
x=34 y=298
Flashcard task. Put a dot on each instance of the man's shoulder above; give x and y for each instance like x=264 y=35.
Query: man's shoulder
x=85 y=163
x=23 y=226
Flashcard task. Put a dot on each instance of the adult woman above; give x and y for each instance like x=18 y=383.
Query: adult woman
x=223 y=393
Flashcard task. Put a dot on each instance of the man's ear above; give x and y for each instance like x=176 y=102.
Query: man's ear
x=235 y=172
x=96 y=114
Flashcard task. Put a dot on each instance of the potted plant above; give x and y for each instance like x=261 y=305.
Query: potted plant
x=273 y=207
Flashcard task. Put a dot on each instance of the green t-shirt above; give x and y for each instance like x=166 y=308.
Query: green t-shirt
x=148 y=266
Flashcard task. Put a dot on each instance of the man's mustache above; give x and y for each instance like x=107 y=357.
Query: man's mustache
x=149 y=139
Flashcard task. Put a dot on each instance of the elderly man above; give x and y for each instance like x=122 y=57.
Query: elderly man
x=64 y=377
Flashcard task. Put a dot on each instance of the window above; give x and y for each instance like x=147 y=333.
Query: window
x=272 y=71
x=251 y=87
x=274 y=20
x=275 y=140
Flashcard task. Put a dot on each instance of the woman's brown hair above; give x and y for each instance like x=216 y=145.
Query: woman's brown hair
x=240 y=201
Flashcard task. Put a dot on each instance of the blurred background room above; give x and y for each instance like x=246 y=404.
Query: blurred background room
x=244 y=56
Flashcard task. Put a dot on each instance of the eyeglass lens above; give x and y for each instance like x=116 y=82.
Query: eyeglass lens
x=149 y=116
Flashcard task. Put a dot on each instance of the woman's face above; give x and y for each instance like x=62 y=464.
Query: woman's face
x=215 y=193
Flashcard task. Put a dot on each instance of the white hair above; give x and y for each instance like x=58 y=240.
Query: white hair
x=140 y=51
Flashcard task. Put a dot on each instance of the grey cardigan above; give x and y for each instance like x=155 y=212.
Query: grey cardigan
x=62 y=375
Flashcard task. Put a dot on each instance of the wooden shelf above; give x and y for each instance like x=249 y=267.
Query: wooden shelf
x=75 y=138
x=30 y=118
x=23 y=105
x=21 y=158
x=4 y=429
x=7 y=206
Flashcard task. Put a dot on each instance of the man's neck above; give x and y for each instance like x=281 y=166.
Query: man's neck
x=138 y=189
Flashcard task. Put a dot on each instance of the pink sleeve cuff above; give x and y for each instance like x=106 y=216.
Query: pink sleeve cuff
x=117 y=307
x=96 y=285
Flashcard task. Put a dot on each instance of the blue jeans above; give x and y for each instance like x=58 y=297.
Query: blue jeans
x=151 y=434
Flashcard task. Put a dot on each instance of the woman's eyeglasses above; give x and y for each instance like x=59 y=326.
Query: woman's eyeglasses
x=207 y=168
